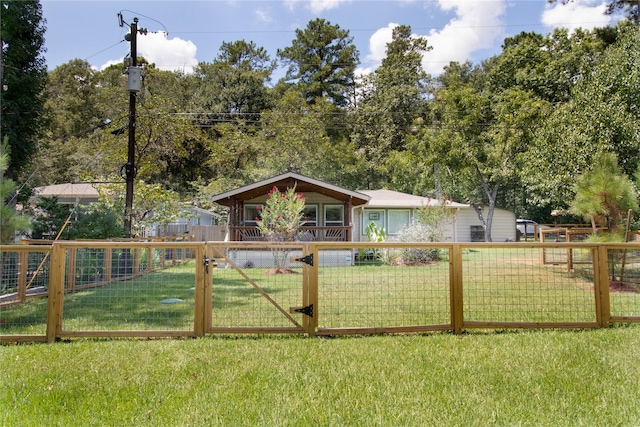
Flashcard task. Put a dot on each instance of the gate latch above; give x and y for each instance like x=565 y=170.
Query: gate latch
x=206 y=261
x=306 y=259
x=308 y=310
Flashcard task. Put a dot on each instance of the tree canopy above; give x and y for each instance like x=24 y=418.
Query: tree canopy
x=510 y=132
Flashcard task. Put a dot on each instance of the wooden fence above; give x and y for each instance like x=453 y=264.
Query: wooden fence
x=168 y=289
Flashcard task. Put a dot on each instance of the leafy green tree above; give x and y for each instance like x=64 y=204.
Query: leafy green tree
x=548 y=66
x=22 y=81
x=234 y=86
x=49 y=218
x=604 y=194
x=391 y=100
x=600 y=117
x=153 y=204
x=96 y=221
x=65 y=151
x=478 y=138
x=293 y=132
x=10 y=220
x=280 y=220
x=321 y=62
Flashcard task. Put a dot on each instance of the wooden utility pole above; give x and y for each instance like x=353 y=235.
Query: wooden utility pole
x=133 y=85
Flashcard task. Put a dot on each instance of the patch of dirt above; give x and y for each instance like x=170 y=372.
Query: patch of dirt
x=415 y=264
x=622 y=287
x=281 y=271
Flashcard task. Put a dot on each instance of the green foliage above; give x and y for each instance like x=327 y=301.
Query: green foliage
x=152 y=204
x=375 y=233
x=282 y=215
x=604 y=194
x=321 y=62
x=24 y=75
x=97 y=221
x=392 y=100
x=280 y=220
x=10 y=220
x=49 y=217
x=434 y=218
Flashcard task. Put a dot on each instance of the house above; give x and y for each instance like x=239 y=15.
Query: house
x=328 y=209
x=391 y=210
x=337 y=214
x=195 y=220
x=81 y=193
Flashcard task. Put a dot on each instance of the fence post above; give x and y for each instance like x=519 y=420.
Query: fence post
x=203 y=277
x=601 y=285
x=108 y=254
x=71 y=269
x=310 y=289
x=136 y=262
x=56 y=292
x=23 y=272
x=455 y=288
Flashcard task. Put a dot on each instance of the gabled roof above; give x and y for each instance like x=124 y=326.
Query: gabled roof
x=395 y=199
x=69 y=193
x=303 y=184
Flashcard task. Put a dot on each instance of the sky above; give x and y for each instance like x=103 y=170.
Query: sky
x=182 y=33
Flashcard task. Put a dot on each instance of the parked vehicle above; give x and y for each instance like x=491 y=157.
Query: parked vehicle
x=528 y=228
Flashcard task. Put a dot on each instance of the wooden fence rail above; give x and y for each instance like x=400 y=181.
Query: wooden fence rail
x=186 y=288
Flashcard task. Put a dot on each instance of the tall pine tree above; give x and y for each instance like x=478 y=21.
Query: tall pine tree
x=23 y=78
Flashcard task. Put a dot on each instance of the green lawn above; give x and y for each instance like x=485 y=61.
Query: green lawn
x=536 y=377
x=532 y=378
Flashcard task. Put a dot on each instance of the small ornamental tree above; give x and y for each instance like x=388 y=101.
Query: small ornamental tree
x=434 y=219
x=280 y=220
x=429 y=225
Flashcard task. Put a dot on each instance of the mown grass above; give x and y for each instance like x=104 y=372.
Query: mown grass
x=534 y=378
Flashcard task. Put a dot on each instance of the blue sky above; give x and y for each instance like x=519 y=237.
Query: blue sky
x=183 y=33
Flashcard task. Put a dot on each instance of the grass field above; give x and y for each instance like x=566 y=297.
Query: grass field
x=526 y=378
x=479 y=378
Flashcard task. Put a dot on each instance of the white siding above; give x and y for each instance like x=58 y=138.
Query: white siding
x=502 y=229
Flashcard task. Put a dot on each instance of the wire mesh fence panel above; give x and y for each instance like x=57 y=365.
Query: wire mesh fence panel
x=511 y=284
x=624 y=285
x=113 y=298
x=252 y=289
x=24 y=282
x=383 y=287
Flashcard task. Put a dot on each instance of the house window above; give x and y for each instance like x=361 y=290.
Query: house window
x=375 y=216
x=250 y=215
x=333 y=215
x=398 y=219
x=310 y=215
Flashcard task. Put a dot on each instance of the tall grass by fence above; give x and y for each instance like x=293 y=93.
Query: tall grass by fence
x=159 y=289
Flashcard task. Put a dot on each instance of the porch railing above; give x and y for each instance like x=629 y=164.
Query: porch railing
x=307 y=234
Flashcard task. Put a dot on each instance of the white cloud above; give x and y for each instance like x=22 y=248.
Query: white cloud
x=474 y=28
x=167 y=54
x=316 y=6
x=378 y=43
x=477 y=26
x=587 y=14
x=263 y=15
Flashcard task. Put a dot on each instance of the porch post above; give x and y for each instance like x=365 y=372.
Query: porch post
x=347 y=218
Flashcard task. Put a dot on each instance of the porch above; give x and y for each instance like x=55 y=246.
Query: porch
x=327 y=212
x=307 y=234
